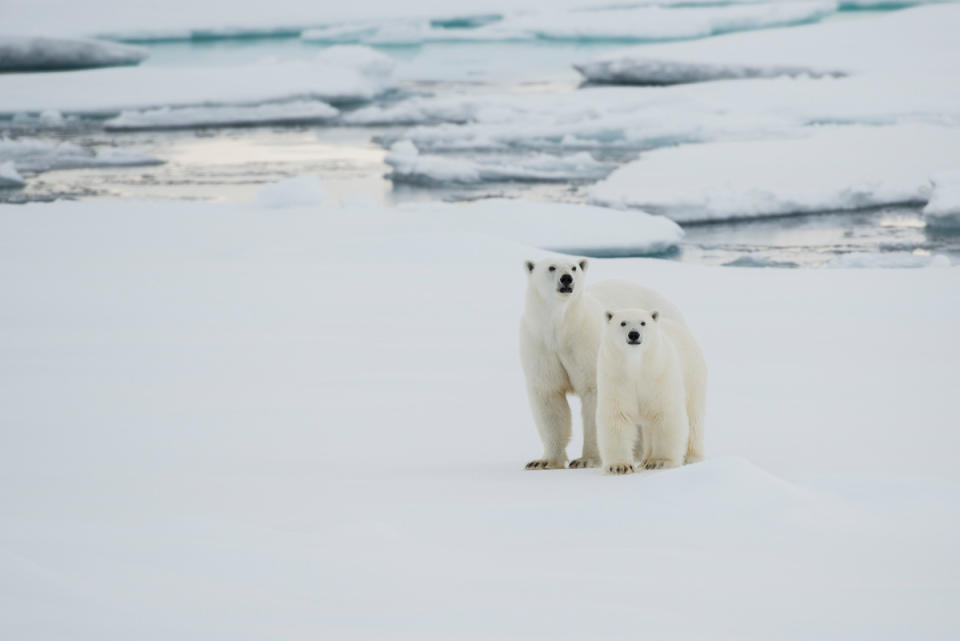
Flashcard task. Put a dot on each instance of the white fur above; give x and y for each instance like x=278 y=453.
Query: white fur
x=559 y=338
x=651 y=393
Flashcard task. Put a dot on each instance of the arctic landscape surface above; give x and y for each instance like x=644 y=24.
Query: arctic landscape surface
x=261 y=288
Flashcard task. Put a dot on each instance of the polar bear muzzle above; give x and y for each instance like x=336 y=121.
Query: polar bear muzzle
x=566 y=284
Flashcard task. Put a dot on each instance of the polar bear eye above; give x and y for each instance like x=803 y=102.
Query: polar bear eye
x=552 y=268
x=643 y=323
x=623 y=324
x=573 y=269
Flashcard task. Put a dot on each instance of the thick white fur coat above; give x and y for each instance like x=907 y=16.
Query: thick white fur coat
x=560 y=333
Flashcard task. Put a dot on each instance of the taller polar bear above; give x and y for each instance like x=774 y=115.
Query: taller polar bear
x=559 y=339
x=651 y=392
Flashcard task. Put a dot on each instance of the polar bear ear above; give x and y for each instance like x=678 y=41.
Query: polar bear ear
x=609 y=316
x=654 y=314
x=584 y=263
x=529 y=264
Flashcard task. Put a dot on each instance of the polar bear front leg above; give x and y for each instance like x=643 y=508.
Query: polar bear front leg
x=616 y=434
x=591 y=455
x=665 y=437
x=551 y=413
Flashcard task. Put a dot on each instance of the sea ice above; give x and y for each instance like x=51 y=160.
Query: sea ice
x=943 y=210
x=9 y=177
x=920 y=39
x=408 y=165
x=295 y=112
x=22 y=53
x=335 y=78
x=32 y=155
x=316 y=423
x=830 y=169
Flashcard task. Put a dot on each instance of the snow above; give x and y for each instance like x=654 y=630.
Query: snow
x=223 y=423
x=642 y=23
x=943 y=210
x=831 y=169
x=9 y=177
x=35 y=155
x=915 y=39
x=300 y=191
x=336 y=78
x=409 y=166
x=294 y=112
x=21 y=53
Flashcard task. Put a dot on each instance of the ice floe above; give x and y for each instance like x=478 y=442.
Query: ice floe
x=918 y=39
x=337 y=77
x=943 y=209
x=572 y=228
x=295 y=112
x=23 y=53
x=32 y=155
x=830 y=169
x=9 y=177
x=409 y=166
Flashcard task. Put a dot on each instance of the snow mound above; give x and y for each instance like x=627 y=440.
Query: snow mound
x=943 y=210
x=888 y=260
x=409 y=166
x=300 y=191
x=617 y=24
x=915 y=39
x=833 y=168
x=40 y=155
x=9 y=176
x=295 y=112
x=19 y=54
x=337 y=78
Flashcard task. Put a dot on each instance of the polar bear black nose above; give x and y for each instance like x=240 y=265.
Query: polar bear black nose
x=566 y=279
x=633 y=335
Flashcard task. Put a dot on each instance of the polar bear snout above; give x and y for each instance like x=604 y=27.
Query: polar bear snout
x=633 y=337
x=566 y=284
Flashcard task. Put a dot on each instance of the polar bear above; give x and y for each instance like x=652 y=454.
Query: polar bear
x=559 y=337
x=651 y=392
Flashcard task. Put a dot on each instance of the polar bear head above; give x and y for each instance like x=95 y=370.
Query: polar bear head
x=556 y=278
x=632 y=328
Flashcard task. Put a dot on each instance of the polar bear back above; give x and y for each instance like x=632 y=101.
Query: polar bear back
x=617 y=294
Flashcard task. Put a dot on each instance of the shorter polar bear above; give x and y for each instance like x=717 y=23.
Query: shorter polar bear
x=651 y=393
x=559 y=338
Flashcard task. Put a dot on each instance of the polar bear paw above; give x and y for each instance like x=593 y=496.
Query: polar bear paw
x=582 y=462
x=544 y=464
x=621 y=468
x=658 y=463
